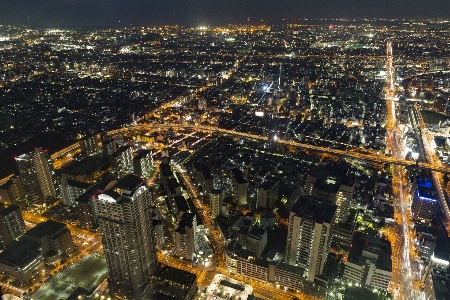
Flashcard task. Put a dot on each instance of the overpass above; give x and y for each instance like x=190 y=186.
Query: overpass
x=341 y=153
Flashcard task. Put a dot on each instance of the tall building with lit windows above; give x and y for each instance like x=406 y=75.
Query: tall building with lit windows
x=36 y=175
x=125 y=222
x=143 y=163
x=309 y=235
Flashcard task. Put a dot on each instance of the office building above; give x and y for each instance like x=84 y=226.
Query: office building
x=125 y=221
x=55 y=238
x=22 y=259
x=215 y=202
x=12 y=225
x=424 y=199
x=369 y=261
x=268 y=194
x=72 y=189
x=309 y=235
x=185 y=236
x=171 y=283
x=143 y=163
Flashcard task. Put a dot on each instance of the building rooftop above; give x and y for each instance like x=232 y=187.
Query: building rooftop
x=129 y=183
x=172 y=283
x=20 y=253
x=47 y=228
x=187 y=220
x=181 y=203
x=314 y=209
x=141 y=154
x=6 y=211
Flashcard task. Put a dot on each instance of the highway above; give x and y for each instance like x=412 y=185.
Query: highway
x=342 y=153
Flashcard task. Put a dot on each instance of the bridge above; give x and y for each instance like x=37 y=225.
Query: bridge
x=341 y=153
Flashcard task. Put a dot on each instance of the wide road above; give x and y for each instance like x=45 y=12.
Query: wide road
x=140 y=129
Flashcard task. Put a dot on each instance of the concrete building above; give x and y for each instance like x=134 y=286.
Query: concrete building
x=309 y=235
x=36 y=176
x=143 y=163
x=55 y=238
x=239 y=187
x=215 y=202
x=333 y=184
x=268 y=194
x=248 y=267
x=158 y=228
x=224 y=288
x=89 y=145
x=122 y=161
x=72 y=189
x=185 y=236
x=171 y=283
x=256 y=240
x=86 y=213
x=11 y=190
x=180 y=206
x=287 y=276
x=125 y=221
x=22 y=259
x=369 y=262
x=12 y=225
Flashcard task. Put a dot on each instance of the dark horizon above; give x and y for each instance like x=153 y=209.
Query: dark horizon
x=122 y=13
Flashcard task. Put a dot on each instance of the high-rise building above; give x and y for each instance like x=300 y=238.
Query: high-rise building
x=72 y=189
x=268 y=194
x=215 y=202
x=309 y=235
x=143 y=163
x=36 y=175
x=335 y=185
x=43 y=166
x=125 y=221
x=239 y=187
x=185 y=236
x=12 y=225
x=122 y=160
x=89 y=144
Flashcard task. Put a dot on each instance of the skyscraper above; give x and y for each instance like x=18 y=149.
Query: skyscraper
x=309 y=236
x=36 y=176
x=125 y=220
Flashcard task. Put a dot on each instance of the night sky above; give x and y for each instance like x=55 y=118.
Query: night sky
x=121 y=13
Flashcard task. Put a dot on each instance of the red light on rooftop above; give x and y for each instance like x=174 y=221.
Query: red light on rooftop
x=367 y=243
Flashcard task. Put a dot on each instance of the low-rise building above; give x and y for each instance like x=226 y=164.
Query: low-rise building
x=53 y=236
x=171 y=283
x=22 y=259
x=369 y=261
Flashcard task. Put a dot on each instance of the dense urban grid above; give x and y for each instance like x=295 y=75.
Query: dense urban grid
x=303 y=160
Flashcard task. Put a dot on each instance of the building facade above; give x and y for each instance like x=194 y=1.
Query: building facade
x=309 y=235
x=125 y=222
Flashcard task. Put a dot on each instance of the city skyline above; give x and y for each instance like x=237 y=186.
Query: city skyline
x=123 y=13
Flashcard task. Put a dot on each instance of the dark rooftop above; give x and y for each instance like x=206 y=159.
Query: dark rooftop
x=129 y=183
x=6 y=211
x=47 y=228
x=20 y=253
x=314 y=209
x=141 y=154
